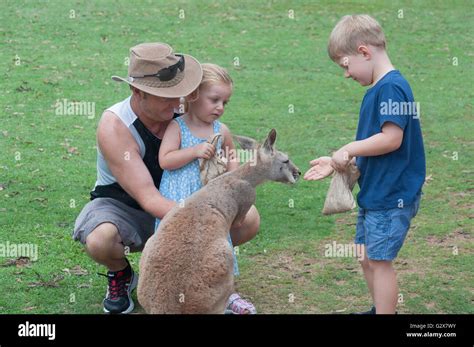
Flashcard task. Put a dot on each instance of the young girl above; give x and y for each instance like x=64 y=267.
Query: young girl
x=185 y=141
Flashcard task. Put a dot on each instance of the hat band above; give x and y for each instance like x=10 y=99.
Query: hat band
x=154 y=82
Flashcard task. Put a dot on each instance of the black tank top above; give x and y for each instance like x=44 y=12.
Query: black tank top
x=152 y=147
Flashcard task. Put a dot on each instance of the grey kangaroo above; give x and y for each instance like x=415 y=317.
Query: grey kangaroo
x=187 y=266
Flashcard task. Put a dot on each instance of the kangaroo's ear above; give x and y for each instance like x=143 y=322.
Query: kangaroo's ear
x=245 y=142
x=269 y=144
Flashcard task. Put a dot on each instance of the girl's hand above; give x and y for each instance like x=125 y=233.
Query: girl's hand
x=321 y=168
x=204 y=150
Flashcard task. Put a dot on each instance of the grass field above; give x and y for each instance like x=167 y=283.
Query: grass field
x=276 y=54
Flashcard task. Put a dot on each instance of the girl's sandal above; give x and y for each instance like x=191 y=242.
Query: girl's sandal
x=237 y=305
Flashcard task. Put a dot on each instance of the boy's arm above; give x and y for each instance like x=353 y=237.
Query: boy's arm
x=389 y=140
x=171 y=157
x=229 y=148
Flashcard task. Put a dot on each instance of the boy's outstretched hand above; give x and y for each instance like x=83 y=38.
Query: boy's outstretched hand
x=320 y=168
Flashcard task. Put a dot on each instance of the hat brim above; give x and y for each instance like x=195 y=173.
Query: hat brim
x=192 y=79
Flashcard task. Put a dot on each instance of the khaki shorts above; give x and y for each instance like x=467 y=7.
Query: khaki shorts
x=134 y=226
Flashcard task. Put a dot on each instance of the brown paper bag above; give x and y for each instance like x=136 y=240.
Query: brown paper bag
x=215 y=166
x=339 y=197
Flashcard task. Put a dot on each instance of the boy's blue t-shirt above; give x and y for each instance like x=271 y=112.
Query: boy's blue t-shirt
x=393 y=179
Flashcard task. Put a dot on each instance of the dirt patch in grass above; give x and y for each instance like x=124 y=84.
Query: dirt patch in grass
x=457 y=237
x=463 y=202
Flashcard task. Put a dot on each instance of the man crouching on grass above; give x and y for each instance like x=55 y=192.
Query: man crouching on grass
x=125 y=199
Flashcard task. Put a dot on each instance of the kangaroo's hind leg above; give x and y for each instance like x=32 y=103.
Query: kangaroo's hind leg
x=217 y=274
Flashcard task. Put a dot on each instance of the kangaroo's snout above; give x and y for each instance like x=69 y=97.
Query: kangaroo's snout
x=295 y=173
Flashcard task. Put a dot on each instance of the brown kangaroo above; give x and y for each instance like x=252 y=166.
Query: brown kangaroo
x=187 y=266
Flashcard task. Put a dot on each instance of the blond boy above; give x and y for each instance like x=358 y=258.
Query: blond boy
x=388 y=151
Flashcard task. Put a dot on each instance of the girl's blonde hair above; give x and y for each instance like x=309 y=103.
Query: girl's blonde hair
x=351 y=32
x=211 y=73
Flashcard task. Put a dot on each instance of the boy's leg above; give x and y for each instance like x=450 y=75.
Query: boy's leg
x=385 y=288
x=368 y=274
x=360 y=241
x=386 y=231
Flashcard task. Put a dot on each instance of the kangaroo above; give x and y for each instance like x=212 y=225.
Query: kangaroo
x=187 y=266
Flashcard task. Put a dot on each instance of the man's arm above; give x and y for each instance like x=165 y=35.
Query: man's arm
x=389 y=140
x=122 y=154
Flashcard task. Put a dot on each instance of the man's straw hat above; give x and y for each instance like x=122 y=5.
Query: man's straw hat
x=156 y=70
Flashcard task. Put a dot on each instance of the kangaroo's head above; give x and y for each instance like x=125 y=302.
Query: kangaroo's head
x=275 y=165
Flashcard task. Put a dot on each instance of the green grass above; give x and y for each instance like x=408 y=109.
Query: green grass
x=282 y=61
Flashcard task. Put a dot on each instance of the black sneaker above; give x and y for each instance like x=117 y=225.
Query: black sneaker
x=121 y=284
x=371 y=311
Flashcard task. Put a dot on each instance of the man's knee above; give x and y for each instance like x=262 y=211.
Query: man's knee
x=249 y=228
x=254 y=221
x=102 y=238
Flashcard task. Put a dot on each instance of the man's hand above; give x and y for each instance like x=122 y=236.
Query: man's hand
x=320 y=168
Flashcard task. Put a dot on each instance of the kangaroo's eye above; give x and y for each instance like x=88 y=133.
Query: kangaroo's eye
x=286 y=161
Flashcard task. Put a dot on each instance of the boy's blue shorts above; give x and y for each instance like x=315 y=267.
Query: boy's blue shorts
x=383 y=231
